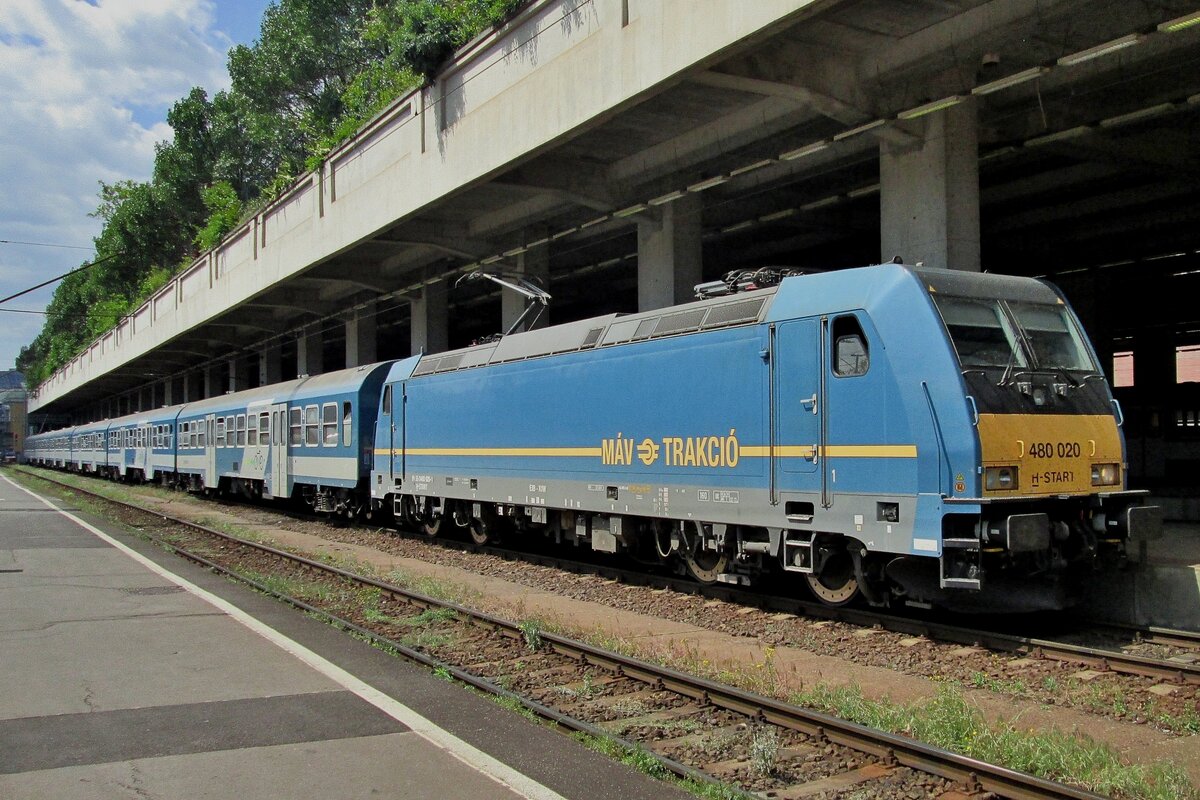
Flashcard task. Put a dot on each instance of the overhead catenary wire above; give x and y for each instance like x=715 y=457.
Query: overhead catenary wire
x=57 y=278
x=45 y=244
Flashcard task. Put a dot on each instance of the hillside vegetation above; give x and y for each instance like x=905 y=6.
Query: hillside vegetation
x=318 y=70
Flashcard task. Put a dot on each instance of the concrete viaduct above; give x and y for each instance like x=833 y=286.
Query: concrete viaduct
x=621 y=151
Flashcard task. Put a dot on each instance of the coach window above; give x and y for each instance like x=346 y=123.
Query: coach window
x=329 y=424
x=347 y=421
x=241 y=430
x=264 y=428
x=296 y=427
x=312 y=426
x=220 y=432
x=231 y=431
x=850 y=356
x=204 y=428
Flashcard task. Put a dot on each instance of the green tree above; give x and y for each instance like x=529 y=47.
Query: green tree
x=224 y=213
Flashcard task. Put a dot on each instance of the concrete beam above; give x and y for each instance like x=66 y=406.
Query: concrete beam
x=444 y=237
x=292 y=299
x=573 y=181
x=737 y=129
x=823 y=103
x=362 y=278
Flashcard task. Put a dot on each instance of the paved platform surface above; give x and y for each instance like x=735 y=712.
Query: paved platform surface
x=127 y=672
x=1163 y=590
x=1179 y=545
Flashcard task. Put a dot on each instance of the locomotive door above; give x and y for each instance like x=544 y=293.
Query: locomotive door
x=278 y=474
x=797 y=407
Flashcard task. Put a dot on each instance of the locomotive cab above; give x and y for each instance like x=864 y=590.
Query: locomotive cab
x=1047 y=500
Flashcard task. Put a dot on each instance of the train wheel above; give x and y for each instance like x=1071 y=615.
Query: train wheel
x=705 y=566
x=484 y=528
x=481 y=531
x=836 y=584
x=431 y=524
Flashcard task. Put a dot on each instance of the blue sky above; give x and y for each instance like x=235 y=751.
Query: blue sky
x=85 y=86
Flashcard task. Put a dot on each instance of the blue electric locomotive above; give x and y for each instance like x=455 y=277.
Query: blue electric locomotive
x=892 y=432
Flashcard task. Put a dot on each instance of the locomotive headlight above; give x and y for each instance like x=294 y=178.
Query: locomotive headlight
x=1106 y=474
x=1000 y=479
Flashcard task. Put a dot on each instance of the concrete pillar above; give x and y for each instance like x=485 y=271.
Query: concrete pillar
x=534 y=265
x=214 y=380
x=430 y=320
x=270 y=366
x=310 y=354
x=169 y=392
x=361 y=346
x=669 y=254
x=929 y=194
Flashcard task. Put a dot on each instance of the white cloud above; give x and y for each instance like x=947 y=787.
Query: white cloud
x=74 y=78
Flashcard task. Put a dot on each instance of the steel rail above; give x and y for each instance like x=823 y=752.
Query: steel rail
x=893 y=749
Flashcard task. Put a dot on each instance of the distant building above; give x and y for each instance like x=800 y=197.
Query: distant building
x=13 y=420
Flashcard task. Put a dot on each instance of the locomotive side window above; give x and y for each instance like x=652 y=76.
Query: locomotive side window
x=347 y=419
x=387 y=400
x=295 y=420
x=850 y=356
x=312 y=427
x=329 y=424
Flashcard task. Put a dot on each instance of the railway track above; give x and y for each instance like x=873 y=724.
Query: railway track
x=1182 y=669
x=642 y=706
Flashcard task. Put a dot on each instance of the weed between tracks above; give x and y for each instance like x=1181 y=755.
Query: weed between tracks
x=952 y=722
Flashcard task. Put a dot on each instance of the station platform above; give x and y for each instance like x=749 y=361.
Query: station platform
x=130 y=672
x=1161 y=588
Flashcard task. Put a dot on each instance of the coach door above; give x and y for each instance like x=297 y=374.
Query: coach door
x=208 y=434
x=279 y=450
